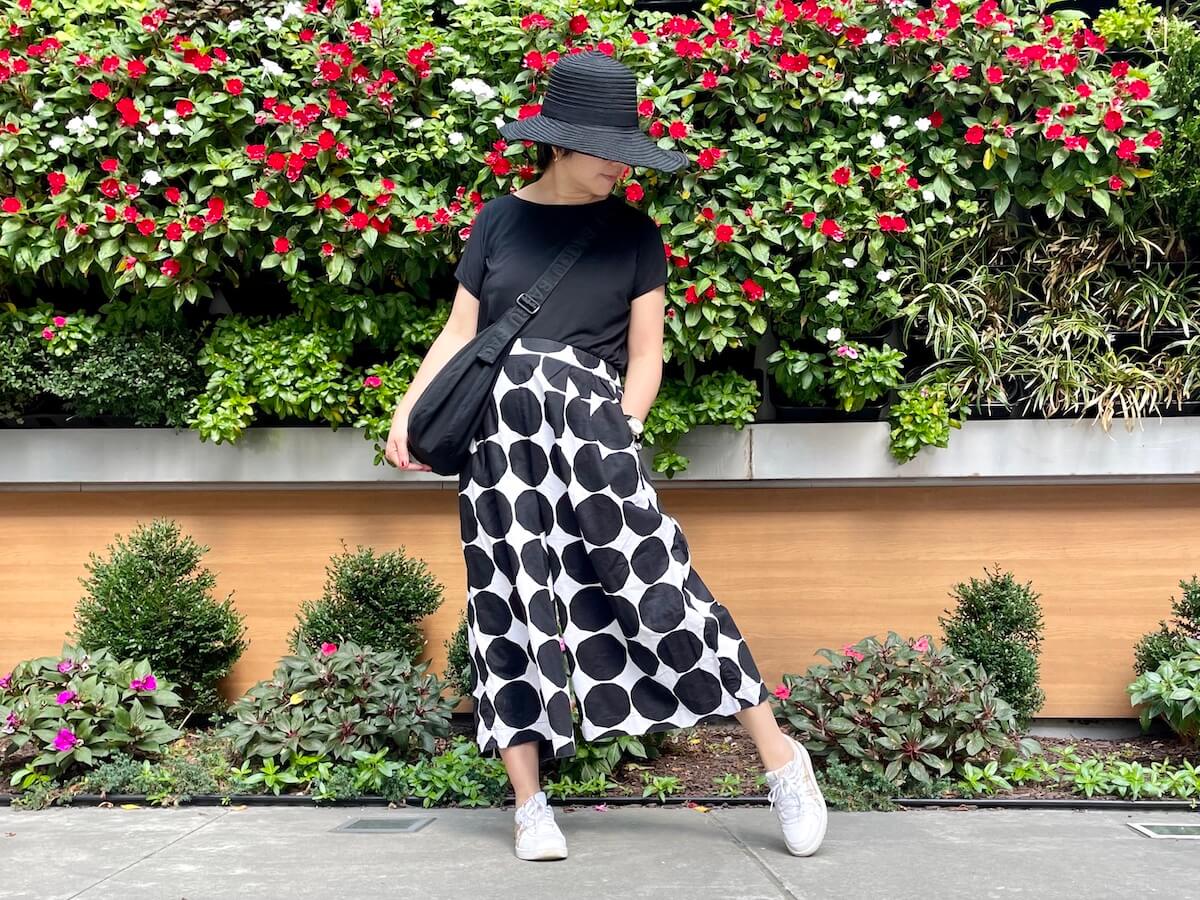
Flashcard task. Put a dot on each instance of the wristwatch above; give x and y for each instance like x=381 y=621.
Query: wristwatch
x=636 y=426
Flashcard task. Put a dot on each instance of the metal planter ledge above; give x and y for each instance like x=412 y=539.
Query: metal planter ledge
x=838 y=454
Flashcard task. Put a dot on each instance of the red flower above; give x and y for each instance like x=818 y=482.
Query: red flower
x=172 y=194
x=130 y=115
x=1113 y=120
x=960 y=72
x=170 y=268
x=994 y=74
x=174 y=232
x=110 y=165
x=136 y=68
x=831 y=229
x=372 y=381
x=10 y=205
x=1054 y=132
x=723 y=233
x=1138 y=89
x=146 y=227
x=359 y=220
x=100 y=90
x=974 y=134
x=261 y=199
x=935 y=119
x=110 y=187
x=578 y=24
x=678 y=130
x=282 y=245
x=216 y=209
x=709 y=80
x=634 y=192
x=808 y=219
x=233 y=87
x=1115 y=182
x=1153 y=139
x=327 y=249
x=1127 y=149
x=841 y=176
x=276 y=161
x=58 y=181
x=646 y=108
x=752 y=289
x=707 y=158
x=256 y=152
x=184 y=108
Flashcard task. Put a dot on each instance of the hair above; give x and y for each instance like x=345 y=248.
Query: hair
x=545 y=154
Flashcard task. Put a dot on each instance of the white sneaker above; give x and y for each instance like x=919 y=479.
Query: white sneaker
x=536 y=833
x=797 y=800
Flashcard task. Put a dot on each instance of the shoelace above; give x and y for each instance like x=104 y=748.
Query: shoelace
x=789 y=789
x=535 y=816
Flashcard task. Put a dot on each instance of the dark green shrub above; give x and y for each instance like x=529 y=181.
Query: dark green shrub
x=1170 y=639
x=149 y=378
x=459 y=666
x=998 y=624
x=72 y=710
x=907 y=712
x=152 y=598
x=339 y=699
x=377 y=601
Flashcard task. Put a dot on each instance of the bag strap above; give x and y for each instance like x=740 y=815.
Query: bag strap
x=503 y=330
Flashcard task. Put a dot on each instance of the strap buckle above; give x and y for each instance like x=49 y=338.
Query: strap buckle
x=530 y=305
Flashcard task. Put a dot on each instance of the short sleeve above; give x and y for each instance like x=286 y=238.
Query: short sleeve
x=471 y=265
x=651 y=269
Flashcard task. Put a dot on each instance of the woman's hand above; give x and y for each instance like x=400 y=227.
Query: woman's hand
x=397 y=444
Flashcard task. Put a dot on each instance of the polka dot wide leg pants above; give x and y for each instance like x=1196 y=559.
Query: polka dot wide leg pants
x=580 y=590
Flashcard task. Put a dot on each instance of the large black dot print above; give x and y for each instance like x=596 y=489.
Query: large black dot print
x=521 y=411
x=492 y=615
x=563 y=534
x=601 y=657
x=506 y=659
x=662 y=607
x=649 y=560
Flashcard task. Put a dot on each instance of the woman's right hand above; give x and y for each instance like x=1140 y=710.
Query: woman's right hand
x=397 y=445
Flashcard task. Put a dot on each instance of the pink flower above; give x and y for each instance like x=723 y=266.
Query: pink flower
x=849 y=650
x=48 y=333
x=372 y=381
x=782 y=692
x=847 y=351
x=60 y=321
x=6 y=681
x=149 y=683
x=328 y=649
x=66 y=665
x=921 y=645
x=66 y=740
x=562 y=645
x=65 y=697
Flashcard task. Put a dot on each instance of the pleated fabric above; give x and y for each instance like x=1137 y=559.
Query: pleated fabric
x=580 y=589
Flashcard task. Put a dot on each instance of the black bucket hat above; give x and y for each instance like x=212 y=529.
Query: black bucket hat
x=591 y=106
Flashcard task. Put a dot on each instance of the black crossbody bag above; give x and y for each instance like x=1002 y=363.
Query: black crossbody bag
x=449 y=412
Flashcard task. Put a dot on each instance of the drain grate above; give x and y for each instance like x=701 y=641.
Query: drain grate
x=403 y=824
x=1167 y=830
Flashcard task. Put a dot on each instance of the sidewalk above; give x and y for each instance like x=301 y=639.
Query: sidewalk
x=625 y=852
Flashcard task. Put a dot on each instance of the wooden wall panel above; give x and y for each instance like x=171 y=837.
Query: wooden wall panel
x=800 y=568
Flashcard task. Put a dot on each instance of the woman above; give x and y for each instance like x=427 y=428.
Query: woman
x=578 y=583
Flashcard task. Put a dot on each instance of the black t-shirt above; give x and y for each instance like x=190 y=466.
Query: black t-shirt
x=512 y=242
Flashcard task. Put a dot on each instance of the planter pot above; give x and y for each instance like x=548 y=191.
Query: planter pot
x=890 y=333
x=788 y=411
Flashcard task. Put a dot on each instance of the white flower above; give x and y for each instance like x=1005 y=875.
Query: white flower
x=57 y=142
x=873 y=97
x=38 y=104
x=175 y=128
x=91 y=121
x=893 y=121
x=884 y=274
x=272 y=23
x=922 y=124
x=271 y=67
x=949 y=220
x=498 y=121
x=141 y=138
x=235 y=26
x=853 y=96
x=76 y=126
x=293 y=10
x=833 y=295
x=151 y=177
x=652 y=46
x=169 y=113
x=874 y=37
x=415 y=123
x=461 y=2
x=154 y=128
x=849 y=262
x=878 y=141
x=455 y=138
x=833 y=334
x=481 y=89
x=927 y=195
